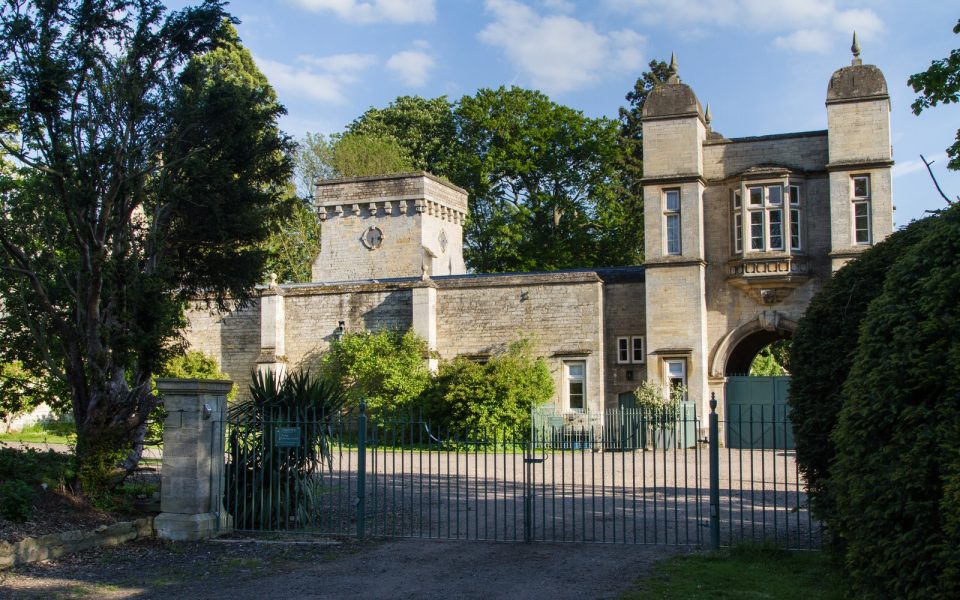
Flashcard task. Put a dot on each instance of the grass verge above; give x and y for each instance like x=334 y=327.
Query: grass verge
x=754 y=572
x=41 y=433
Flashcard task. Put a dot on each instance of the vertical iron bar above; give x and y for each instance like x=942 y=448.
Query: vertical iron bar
x=361 y=469
x=714 y=475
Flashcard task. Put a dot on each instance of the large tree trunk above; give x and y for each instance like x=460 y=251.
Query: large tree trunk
x=110 y=438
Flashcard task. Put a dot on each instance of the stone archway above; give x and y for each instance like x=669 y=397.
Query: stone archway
x=755 y=408
x=735 y=351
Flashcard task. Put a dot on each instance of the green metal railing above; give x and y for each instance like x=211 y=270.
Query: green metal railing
x=628 y=476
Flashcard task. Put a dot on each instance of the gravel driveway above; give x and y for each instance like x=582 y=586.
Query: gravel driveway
x=421 y=569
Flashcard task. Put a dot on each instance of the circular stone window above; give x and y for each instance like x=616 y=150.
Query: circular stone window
x=372 y=238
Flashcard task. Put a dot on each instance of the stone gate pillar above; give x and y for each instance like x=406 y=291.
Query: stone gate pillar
x=192 y=486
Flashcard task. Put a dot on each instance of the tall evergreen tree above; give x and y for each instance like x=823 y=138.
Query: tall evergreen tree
x=150 y=168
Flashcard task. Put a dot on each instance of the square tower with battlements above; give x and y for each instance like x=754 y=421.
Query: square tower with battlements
x=384 y=227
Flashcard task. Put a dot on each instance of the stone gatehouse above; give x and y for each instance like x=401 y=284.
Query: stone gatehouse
x=740 y=233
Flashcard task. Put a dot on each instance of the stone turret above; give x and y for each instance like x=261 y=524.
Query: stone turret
x=674 y=129
x=387 y=226
x=860 y=158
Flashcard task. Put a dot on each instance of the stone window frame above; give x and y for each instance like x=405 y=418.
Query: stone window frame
x=861 y=202
x=672 y=215
x=627 y=350
x=787 y=203
x=667 y=375
x=568 y=382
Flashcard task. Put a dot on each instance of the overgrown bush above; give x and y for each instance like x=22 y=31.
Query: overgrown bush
x=16 y=500
x=822 y=352
x=386 y=368
x=896 y=476
x=471 y=397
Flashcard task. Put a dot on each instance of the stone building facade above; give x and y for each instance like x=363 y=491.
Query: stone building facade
x=740 y=233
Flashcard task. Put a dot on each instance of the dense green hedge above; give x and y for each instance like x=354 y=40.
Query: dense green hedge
x=822 y=353
x=896 y=478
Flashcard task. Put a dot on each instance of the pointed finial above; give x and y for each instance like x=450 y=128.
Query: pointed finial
x=855 y=48
x=672 y=70
x=708 y=116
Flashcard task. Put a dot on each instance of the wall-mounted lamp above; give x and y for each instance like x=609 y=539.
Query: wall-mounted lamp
x=339 y=331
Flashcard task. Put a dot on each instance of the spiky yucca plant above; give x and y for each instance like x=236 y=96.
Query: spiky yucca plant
x=275 y=486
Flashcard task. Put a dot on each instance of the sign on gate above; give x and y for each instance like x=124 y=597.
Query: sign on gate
x=286 y=437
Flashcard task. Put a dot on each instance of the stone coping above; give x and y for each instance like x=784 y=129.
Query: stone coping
x=55 y=545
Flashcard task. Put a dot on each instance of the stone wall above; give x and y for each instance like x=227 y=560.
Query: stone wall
x=723 y=158
x=561 y=313
x=233 y=338
x=314 y=312
x=55 y=545
x=624 y=315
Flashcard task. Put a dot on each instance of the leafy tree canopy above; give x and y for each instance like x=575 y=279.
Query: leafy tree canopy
x=940 y=83
x=293 y=242
x=543 y=179
x=149 y=166
x=425 y=127
x=359 y=154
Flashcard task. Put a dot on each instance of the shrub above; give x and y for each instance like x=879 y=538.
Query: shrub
x=16 y=500
x=386 y=368
x=822 y=353
x=195 y=365
x=473 y=397
x=36 y=467
x=896 y=477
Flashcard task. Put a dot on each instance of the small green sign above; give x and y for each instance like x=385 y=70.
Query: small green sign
x=286 y=437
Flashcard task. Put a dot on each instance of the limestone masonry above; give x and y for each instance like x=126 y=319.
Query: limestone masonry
x=740 y=233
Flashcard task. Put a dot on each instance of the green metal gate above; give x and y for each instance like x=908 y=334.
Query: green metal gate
x=757 y=413
x=624 y=476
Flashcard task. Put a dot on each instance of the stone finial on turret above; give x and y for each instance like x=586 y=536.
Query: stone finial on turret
x=672 y=70
x=707 y=116
x=855 y=48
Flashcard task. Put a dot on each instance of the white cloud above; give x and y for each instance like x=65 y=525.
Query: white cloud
x=559 y=5
x=558 y=53
x=346 y=64
x=805 y=40
x=320 y=78
x=412 y=67
x=375 y=11
x=800 y=25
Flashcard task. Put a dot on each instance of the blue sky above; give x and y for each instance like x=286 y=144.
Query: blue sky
x=762 y=65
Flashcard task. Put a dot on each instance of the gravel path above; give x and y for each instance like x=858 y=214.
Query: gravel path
x=421 y=569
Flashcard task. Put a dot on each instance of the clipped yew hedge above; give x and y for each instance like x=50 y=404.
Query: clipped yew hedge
x=822 y=354
x=896 y=475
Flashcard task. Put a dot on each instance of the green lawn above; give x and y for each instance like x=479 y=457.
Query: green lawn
x=38 y=436
x=753 y=572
